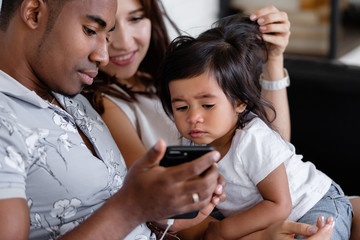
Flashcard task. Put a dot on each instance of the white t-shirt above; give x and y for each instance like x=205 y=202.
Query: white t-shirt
x=149 y=119
x=256 y=151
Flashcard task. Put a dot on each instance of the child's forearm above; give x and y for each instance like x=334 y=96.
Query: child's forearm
x=255 y=219
x=196 y=232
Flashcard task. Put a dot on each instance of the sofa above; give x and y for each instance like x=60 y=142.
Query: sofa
x=324 y=98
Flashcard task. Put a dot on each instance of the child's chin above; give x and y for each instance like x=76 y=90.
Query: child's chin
x=199 y=141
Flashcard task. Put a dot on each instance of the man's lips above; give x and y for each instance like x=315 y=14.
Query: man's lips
x=88 y=76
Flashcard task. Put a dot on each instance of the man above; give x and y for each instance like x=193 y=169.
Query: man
x=60 y=171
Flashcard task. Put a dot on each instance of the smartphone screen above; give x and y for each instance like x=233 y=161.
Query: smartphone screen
x=176 y=155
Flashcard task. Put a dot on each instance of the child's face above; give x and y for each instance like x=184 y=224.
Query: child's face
x=202 y=112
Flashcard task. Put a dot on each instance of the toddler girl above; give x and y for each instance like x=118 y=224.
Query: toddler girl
x=210 y=86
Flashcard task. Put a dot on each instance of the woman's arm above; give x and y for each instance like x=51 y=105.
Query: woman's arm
x=123 y=132
x=275 y=27
x=275 y=206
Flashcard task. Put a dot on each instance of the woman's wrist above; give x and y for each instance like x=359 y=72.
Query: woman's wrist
x=273 y=69
x=273 y=85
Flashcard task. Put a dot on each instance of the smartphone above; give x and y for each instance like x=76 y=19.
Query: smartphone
x=176 y=155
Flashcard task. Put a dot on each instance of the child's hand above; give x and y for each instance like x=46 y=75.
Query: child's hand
x=181 y=224
x=213 y=232
x=275 y=27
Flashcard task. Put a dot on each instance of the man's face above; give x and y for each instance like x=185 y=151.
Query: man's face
x=69 y=55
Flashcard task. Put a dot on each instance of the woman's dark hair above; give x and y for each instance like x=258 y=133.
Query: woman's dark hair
x=149 y=68
x=233 y=51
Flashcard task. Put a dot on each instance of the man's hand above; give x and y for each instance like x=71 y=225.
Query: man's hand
x=154 y=192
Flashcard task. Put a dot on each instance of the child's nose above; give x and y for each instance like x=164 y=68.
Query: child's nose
x=195 y=116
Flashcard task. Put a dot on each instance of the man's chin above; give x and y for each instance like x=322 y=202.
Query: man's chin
x=73 y=93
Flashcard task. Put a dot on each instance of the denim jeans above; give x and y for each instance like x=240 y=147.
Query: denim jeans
x=334 y=204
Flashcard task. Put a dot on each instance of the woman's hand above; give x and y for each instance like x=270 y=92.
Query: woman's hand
x=285 y=230
x=275 y=26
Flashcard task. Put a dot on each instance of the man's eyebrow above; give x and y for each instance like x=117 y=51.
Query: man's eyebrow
x=98 y=20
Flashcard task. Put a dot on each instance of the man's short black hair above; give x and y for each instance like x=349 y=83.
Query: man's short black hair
x=9 y=8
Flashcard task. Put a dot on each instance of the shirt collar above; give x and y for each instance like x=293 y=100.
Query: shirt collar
x=11 y=87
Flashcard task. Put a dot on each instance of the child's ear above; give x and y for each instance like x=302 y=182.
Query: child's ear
x=240 y=106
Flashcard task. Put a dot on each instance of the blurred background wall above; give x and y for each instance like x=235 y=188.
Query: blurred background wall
x=320 y=28
x=192 y=16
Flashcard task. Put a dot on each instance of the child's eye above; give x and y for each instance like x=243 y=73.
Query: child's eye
x=182 y=108
x=89 y=31
x=208 y=106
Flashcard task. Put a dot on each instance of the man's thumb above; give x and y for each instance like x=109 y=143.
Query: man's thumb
x=155 y=154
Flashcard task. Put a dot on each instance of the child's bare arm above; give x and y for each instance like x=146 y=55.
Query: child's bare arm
x=275 y=206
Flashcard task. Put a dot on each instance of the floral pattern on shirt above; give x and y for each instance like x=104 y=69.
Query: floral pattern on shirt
x=34 y=152
x=14 y=159
x=62 y=209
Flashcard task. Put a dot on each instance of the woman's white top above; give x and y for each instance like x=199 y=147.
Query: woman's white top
x=149 y=119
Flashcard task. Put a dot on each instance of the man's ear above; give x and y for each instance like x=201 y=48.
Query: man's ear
x=240 y=106
x=32 y=11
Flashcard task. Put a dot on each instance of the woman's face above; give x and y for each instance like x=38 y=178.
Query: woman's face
x=130 y=41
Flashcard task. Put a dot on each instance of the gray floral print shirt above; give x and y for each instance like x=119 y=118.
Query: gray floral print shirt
x=44 y=160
